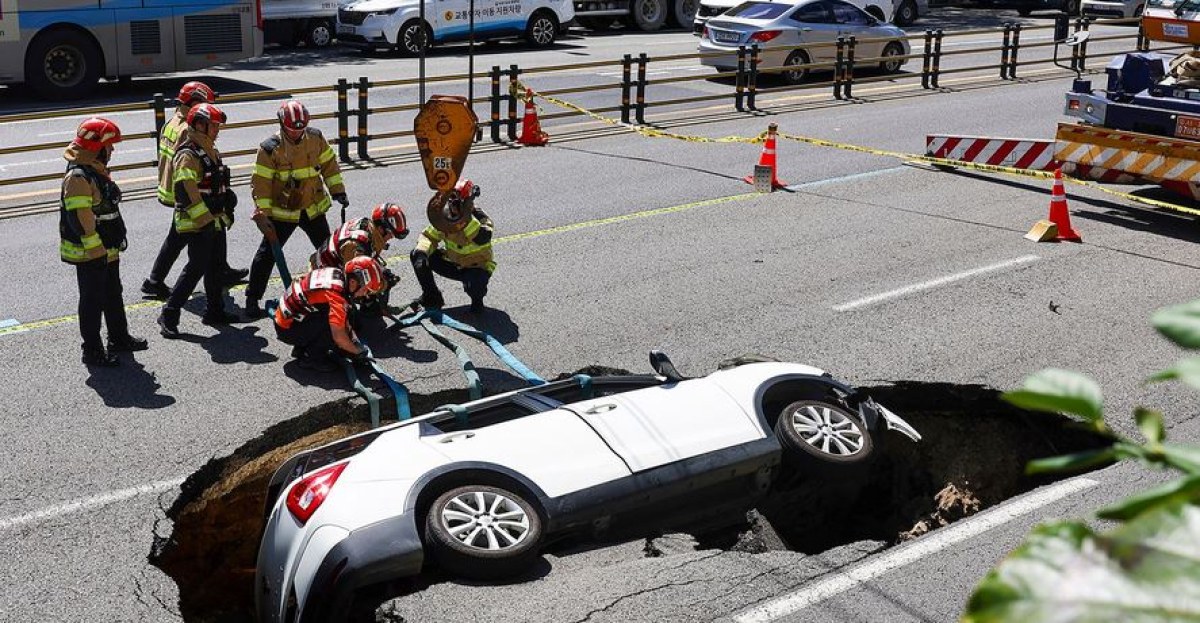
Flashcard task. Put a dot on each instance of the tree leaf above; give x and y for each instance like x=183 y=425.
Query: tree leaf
x=1150 y=423
x=1186 y=370
x=1129 y=508
x=1185 y=458
x=1179 y=323
x=1070 y=462
x=1145 y=570
x=1057 y=391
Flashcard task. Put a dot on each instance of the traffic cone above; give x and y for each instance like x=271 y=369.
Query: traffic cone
x=1058 y=210
x=531 y=130
x=767 y=160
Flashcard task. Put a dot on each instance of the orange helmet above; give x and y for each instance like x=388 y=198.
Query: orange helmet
x=205 y=112
x=390 y=217
x=196 y=93
x=97 y=133
x=367 y=272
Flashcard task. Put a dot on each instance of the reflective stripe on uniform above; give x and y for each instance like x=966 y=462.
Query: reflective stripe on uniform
x=326 y=155
x=166 y=196
x=91 y=241
x=335 y=180
x=313 y=210
x=264 y=204
x=264 y=171
x=185 y=222
x=185 y=173
x=77 y=202
x=71 y=252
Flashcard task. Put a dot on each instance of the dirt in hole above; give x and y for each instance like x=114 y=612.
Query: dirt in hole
x=973 y=455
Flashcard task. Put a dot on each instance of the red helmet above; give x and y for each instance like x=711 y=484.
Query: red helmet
x=390 y=216
x=466 y=190
x=366 y=271
x=97 y=133
x=196 y=93
x=294 y=117
x=205 y=112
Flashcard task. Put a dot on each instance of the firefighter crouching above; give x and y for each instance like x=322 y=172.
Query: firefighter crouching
x=314 y=314
x=92 y=236
x=203 y=209
x=171 y=135
x=369 y=237
x=293 y=169
x=463 y=254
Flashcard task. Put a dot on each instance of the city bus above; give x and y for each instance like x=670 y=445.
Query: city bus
x=62 y=48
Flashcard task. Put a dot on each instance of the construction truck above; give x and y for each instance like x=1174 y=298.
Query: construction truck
x=1144 y=127
x=644 y=15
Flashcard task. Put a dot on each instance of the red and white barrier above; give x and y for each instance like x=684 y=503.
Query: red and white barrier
x=1032 y=154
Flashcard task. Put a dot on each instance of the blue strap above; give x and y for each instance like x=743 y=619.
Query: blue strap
x=503 y=353
x=585 y=386
x=460 y=412
x=475 y=384
x=371 y=397
x=281 y=264
x=399 y=391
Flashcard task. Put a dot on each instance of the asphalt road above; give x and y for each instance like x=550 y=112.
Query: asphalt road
x=92 y=456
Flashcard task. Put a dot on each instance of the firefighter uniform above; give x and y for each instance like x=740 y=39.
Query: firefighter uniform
x=352 y=239
x=289 y=186
x=91 y=237
x=464 y=254
x=314 y=314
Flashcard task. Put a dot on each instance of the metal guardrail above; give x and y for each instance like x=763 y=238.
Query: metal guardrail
x=749 y=81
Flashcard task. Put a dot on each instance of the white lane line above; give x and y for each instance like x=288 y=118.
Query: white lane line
x=847 y=178
x=841 y=581
x=934 y=283
x=84 y=504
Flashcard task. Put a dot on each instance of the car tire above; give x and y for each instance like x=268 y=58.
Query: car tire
x=797 y=57
x=542 y=29
x=876 y=12
x=892 y=66
x=683 y=12
x=1073 y=7
x=1024 y=12
x=467 y=539
x=822 y=436
x=408 y=40
x=906 y=13
x=319 y=34
x=63 y=64
x=649 y=15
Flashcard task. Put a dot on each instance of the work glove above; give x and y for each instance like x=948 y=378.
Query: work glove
x=420 y=260
x=391 y=278
x=342 y=199
x=231 y=200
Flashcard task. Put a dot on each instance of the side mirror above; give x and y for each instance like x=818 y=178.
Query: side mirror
x=1076 y=38
x=663 y=366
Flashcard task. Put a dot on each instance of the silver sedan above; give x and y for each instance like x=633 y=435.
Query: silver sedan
x=779 y=27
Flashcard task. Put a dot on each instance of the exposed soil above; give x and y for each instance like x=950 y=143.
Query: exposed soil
x=973 y=455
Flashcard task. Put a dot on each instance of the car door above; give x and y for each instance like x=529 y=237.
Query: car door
x=658 y=425
x=815 y=23
x=851 y=20
x=555 y=449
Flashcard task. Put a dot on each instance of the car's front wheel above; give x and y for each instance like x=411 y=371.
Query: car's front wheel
x=483 y=532
x=823 y=435
x=892 y=55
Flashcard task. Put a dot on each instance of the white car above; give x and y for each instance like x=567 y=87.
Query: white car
x=900 y=12
x=479 y=488
x=779 y=28
x=1111 y=8
x=396 y=24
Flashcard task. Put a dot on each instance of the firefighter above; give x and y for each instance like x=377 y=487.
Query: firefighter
x=172 y=133
x=203 y=209
x=92 y=236
x=314 y=314
x=463 y=254
x=363 y=236
x=293 y=169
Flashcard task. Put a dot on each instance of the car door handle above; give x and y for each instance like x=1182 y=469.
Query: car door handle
x=456 y=437
x=601 y=408
x=806 y=29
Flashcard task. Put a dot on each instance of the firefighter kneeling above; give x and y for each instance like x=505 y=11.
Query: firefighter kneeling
x=314 y=315
x=365 y=237
x=467 y=252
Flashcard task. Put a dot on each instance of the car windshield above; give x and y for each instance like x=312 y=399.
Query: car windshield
x=758 y=10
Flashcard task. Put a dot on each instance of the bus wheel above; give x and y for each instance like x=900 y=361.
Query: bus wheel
x=63 y=64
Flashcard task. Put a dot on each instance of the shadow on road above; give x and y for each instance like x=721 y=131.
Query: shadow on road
x=129 y=385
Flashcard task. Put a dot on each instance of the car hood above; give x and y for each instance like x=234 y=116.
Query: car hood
x=368 y=6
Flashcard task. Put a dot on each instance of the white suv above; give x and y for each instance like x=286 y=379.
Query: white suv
x=395 y=24
x=901 y=12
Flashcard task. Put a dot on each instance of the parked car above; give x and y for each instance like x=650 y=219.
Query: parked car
x=900 y=12
x=1027 y=7
x=778 y=28
x=292 y=22
x=1114 y=8
x=396 y=24
x=480 y=488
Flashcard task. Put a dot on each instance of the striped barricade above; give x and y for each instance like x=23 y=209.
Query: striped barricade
x=1019 y=153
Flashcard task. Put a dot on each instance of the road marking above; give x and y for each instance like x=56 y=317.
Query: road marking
x=847 y=178
x=85 y=504
x=934 y=283
x=840 y=581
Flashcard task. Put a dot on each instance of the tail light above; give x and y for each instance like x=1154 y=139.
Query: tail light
x=258 y=19
x=764 y=36
x=1073 y=105
x=306 y=496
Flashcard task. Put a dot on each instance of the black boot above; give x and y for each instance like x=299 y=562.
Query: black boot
x=126 y=344
x=168 y=323
x=234 y=276
x=432 y=300
x=254 y=310
x=95 y=356
x=218 y=316
x=155 y=290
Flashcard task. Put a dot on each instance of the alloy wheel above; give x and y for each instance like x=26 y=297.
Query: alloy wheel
x=543 y=31
x=829 y=430
x=485 y=520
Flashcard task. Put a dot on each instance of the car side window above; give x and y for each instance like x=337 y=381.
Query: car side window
x=848 y=14
x=813 y=13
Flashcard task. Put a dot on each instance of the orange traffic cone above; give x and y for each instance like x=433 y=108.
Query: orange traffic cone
x=1058 y=210
x=767 y=159
x=531 y=130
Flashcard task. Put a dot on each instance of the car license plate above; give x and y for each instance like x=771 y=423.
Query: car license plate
x=1187 y=127
x=344 y=29
x=725 y=36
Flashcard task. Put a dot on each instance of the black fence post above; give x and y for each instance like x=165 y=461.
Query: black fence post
x=159 y=105
x=740 y=80
x=937 y=58
x=848 y=81
x=513 y=87
x=363 y=111
x=626 y=86
x=1016 y=48
x=752 y=86
x=1141 y=38
x=838 y=63
x=927 y=59
x=494 y=101
x=643 y=60
x=1087 y=24
x=343 y=114
x=1075 y=48
x=1004 y=51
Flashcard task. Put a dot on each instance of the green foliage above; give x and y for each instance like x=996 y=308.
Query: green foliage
x=1147 y=568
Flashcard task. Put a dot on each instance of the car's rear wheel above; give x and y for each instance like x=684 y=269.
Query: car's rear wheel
x=906 y=13
x=542 y=29
x=823 y=436
x=483 y=532
x=649 y=15
x=795 y=76
x=320 y=33
x=683 y=12
x=892 y=54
